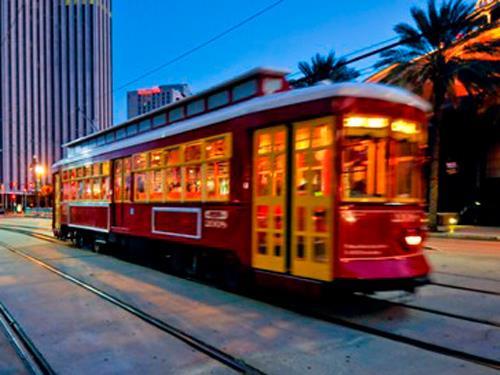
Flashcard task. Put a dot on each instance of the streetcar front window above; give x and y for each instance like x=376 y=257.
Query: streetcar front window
x=382 y=160
x=364 y=168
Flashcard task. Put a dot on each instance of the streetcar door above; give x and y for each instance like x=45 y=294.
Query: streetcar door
x=269 y=199
x=312 y=207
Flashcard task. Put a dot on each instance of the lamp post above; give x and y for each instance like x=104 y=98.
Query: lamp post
x=39 y=172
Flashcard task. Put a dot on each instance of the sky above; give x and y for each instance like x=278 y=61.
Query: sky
x=148 y=33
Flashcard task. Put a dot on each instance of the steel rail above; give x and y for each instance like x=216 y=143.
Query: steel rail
x=464 y=288
x=27 y=351
x=434 y=348
x=345 y=322
x=431 y=311
x=198 y=344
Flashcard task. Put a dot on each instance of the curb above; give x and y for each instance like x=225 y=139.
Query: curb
x=458 y=236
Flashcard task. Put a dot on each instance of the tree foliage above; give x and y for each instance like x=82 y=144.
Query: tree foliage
x=322 y=68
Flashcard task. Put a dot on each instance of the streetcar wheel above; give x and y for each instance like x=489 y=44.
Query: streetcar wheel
x=79 y=241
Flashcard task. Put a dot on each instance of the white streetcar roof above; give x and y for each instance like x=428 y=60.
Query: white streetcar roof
x=258 y=104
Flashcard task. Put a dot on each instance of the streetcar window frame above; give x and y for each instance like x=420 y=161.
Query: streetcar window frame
x=81 y=182
x=174 y=172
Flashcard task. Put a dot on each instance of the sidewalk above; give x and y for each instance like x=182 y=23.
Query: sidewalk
x=468 y=232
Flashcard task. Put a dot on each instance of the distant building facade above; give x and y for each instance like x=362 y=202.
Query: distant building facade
x=145 y=100
x=55 y=83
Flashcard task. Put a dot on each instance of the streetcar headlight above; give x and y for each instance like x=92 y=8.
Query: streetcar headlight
x=413 y=240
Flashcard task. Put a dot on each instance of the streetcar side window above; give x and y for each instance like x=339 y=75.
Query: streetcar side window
x=87 y=183
x=194 y=171
x=407 y=142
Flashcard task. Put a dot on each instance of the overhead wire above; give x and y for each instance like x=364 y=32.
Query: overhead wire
x=190 y=51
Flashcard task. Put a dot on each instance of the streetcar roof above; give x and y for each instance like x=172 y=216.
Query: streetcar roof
x=258 y=104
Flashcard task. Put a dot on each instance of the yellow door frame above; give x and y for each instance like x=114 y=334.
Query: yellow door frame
x=270 y=254
x=312 y=249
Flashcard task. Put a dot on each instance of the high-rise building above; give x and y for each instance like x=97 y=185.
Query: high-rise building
x=55 y=83
x=145 y=100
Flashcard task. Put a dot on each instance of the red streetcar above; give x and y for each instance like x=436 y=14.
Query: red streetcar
x=321 y=184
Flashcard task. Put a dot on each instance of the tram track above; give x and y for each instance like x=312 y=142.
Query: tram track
x=466 y=289
x=26 y=350
x=388 y=303
x=201 y=346
x=314 y=312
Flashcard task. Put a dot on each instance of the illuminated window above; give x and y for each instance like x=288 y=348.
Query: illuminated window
x=97 y=169
x=192 y=186
x=215 y=148
x=96 y=189
x=87 y=193
x=217 y=180
x=106 y=168
x=156 y=159
x=140 y=191
x=81 y=190
x=173 y=183
x=73 y=190
x=105 y=190
x=87 y=170
x=140 y=161
x=407 y=162
x=127 y=178
x=192 y=153
x=156 y=185
x=66 y=191
x=172 y=156
x=313 y=160
x=265 y=145
x=264 y=176
x=118 y=181
x=364 y=169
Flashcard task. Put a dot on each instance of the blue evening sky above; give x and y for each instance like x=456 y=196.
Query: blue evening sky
x=147 y=33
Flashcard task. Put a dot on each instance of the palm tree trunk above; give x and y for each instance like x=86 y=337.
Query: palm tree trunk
x=439 y=97
x=434 y=175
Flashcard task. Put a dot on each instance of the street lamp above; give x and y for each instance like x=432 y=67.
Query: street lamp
x=39 y=172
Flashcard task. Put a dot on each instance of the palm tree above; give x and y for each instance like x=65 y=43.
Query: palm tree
x=324 y=68
x=424 y=61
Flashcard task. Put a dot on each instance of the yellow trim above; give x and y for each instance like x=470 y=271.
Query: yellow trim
x=269 y=261
x=308 y=266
